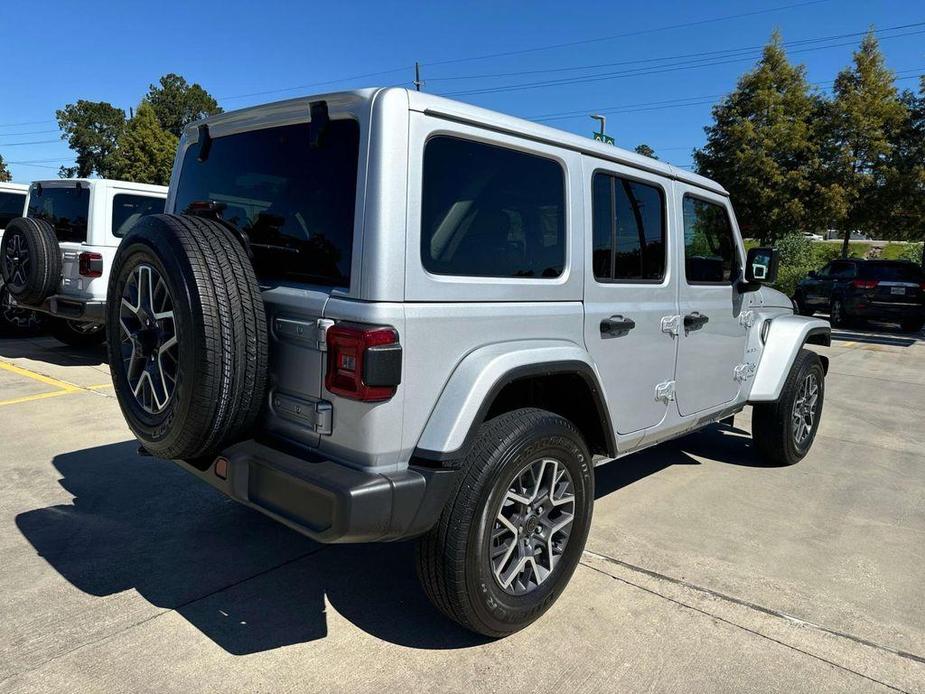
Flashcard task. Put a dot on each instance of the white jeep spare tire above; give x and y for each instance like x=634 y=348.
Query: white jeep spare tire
x=187 y=337
x=30 y=260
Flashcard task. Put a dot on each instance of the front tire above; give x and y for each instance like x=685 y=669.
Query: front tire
x=77 y=333
x=509 y=540
x=784 y=431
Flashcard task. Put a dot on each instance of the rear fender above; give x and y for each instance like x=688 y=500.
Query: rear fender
x=482 y=374
x=785 y=338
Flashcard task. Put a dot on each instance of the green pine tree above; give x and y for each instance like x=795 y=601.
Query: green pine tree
x=177 y=103
x=860 y=125
x=145 y=150
x=903 y=198
x=762 y=148
x=645 y=150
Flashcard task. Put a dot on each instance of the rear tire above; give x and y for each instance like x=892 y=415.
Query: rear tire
x=187 y=337
x=913 y=325
x=466 y=559
x=77 y=333
x=838 y=317
x=30 y=260
x=784 y=431
x=15 y=321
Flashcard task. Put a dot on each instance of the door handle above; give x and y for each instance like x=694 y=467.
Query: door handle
x=616 y=326
x=695 y=321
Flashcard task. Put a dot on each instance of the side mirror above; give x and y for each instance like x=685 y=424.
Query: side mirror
x=760 y=267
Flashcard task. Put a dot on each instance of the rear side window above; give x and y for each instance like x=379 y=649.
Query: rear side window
x=66 y=209
x=841 y=270
x=891 y=272
x=294 y=202
x=491 y=212
x=128 y=209
x=709 y=244
x=11 y=205
x=629 y=230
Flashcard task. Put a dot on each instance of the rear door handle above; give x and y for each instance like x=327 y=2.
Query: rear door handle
x=695 y=321
x=616 y=326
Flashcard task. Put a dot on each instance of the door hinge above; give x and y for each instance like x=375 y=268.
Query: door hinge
x=743 y=372
x=747 y=319
x=665 y=391
x=313 y=333
x=671 y=325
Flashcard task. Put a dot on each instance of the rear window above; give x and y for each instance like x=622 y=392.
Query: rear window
x=11 y=205
x=128 y=209
x=66 y=209
x=294 y=202
x=491 y=212
x=890 y=272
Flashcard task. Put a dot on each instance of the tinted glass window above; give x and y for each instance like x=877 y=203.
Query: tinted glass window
x=629 y=229
x=841 y=270
x=66 y=209
x=709 y=246
x=891 y=272
x=128 y=209
x=491 y=212
x=11 y=205
x=294 y=202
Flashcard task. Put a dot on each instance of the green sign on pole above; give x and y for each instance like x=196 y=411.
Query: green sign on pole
x=606 y=139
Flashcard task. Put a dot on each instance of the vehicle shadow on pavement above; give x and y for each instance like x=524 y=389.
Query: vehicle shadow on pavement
x=718 y=442
x=246 y=582
x=53 y=352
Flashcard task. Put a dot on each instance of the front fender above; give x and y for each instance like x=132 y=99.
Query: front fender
x=481 y=375
x=785 y=338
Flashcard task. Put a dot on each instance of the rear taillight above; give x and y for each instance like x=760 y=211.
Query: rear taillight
x=364 y=363
x=90 y=264
x=864 y=284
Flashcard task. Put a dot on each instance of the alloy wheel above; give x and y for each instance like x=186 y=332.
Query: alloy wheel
x=532 y=526
x=16 y=260
x=148 y=337
x=804 y=410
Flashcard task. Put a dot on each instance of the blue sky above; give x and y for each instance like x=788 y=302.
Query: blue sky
x=58 y=52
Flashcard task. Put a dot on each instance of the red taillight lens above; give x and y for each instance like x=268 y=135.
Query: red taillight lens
x=364 y=363
x=865 y=284
x=90 y=264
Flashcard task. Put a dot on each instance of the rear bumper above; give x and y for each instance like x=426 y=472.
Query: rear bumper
x=328 y=501
x=885 y=310
x=72 y=308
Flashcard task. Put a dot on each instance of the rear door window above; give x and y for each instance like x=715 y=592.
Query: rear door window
x=127 y=209
x=628 y=230
x=892 y=272
x=489 y=211
x=66 y=208
x=11 y=205
x=709 y=244
x=294 y=202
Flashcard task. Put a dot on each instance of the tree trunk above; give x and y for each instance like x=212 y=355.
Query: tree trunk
x=844 y=246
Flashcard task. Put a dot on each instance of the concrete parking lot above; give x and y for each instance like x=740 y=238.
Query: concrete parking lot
x=704 y=571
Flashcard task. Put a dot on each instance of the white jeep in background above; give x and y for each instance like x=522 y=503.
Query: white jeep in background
x=56 y=259
x=14 y=321
x=381 y=314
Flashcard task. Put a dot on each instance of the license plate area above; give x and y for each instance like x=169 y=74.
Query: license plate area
x=900 y=291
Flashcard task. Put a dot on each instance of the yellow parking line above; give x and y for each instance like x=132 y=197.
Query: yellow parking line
x=48 y=380
x=39 y=396
x=100 y=386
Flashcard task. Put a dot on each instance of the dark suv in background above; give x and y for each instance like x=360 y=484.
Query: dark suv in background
x=855 y=290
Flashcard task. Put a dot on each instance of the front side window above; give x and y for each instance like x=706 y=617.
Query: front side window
x=491 y=212
x=294 y=201
x=628 y=230
x=65 y=208
x=128 y=209
x=11 y=205
x=709 y=244
x=841 y=270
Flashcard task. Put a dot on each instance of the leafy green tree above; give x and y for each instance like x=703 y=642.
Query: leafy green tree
x=5 y=175
x=645 y=151
x=91 y=129
x=762 y=148
x=860 y=124
x=145 y=150
x=177 y=103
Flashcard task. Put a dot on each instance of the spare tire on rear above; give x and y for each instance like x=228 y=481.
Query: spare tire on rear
x=187 y=337
x=30 y=260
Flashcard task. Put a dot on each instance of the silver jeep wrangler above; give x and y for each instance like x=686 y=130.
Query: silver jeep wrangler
x=380 y=314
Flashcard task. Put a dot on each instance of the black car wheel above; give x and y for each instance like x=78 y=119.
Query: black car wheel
x=838 y=317
x=16 y=321
x=30 y=260
x=509 y=540
x=77 y=333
